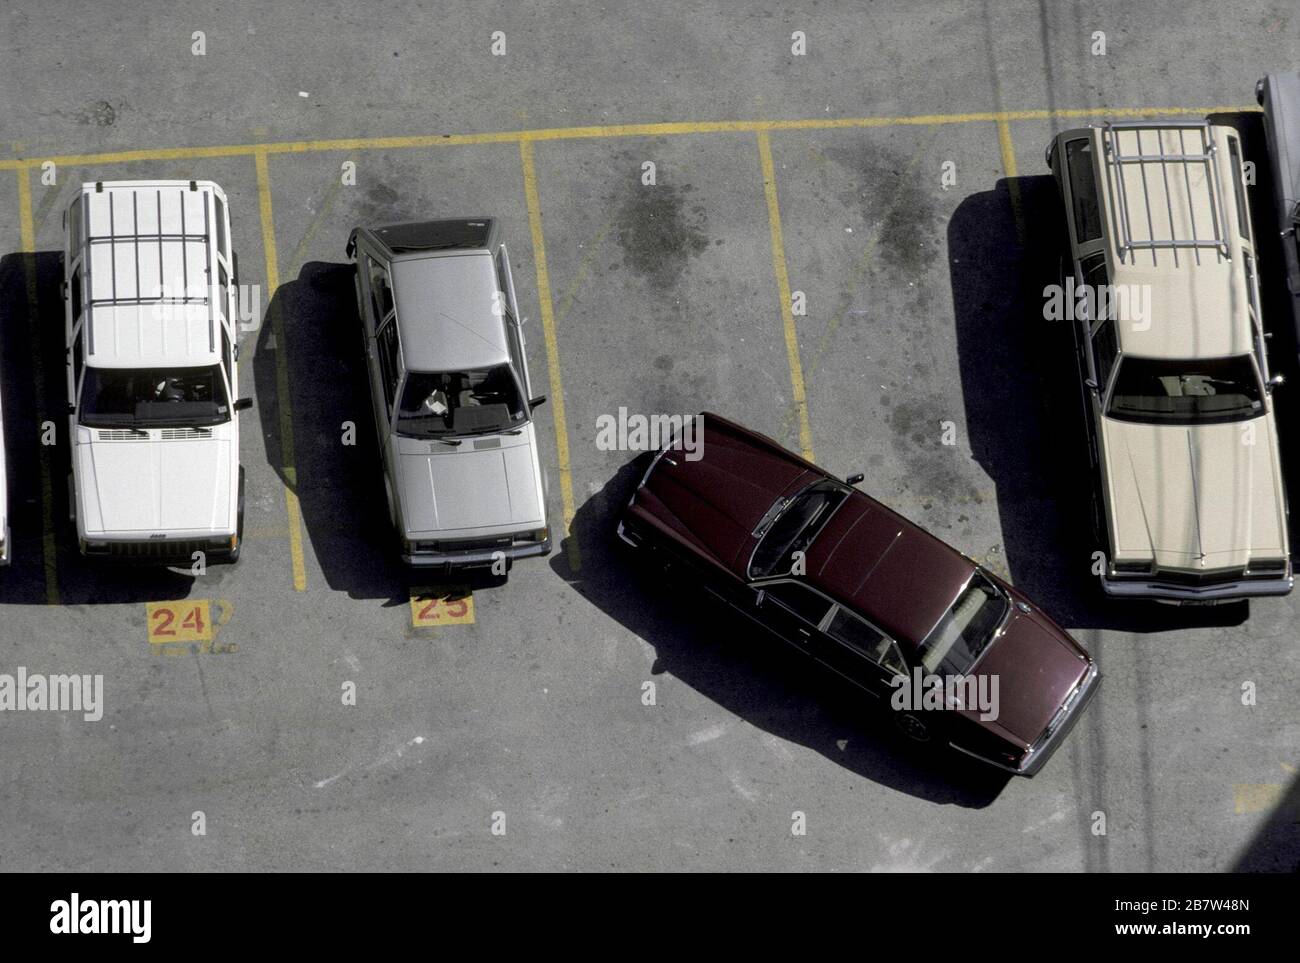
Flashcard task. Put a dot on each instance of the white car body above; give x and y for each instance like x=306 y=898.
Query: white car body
x=436 y=301
x=152 y=371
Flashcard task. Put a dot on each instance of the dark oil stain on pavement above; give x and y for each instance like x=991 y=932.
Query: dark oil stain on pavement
x=659 y=231
x=887 y=187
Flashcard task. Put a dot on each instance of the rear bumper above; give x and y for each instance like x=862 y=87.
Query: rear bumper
x=1162 y=591
x=475 y=557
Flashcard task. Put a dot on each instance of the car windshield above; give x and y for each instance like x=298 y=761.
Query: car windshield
x=153 y=397
x=1186 y=392
x=966 y=628
x=451 y=403
x=797 y=522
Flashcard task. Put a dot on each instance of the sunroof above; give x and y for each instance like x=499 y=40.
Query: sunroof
x=435 y=235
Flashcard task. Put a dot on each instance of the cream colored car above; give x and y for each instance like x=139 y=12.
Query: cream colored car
x=1171 y=350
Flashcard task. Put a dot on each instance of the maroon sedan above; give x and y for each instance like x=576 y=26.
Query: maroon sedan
x=863 y=591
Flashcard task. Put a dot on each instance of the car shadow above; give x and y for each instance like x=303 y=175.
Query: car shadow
x=1024 y=409
x=35 y=400
x=335 y=467
x=730 y=661
x=1275 y=848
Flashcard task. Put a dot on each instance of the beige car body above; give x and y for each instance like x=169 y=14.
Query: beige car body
x=1193 y=508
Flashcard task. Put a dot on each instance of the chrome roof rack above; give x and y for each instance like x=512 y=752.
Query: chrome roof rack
x=1203 y=152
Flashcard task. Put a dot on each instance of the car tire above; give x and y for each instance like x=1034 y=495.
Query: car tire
x=910 y=725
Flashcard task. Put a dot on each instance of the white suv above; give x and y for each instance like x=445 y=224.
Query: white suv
x=153 y=371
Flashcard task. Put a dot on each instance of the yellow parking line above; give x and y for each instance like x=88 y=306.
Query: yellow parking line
x=552 y=349
x=615 y=130
x=1008 y=150
x=291 y=503
x=783 y=289
x=27 y=224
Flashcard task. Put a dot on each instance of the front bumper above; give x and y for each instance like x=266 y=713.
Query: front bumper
x=1042 y=750
x=1169 y=591
x=475 y=557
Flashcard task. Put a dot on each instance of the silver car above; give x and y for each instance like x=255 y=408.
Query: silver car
x=450 y=390
x=1279 y=95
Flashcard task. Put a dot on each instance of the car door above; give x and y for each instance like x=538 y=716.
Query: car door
x=857 y=650
x=792 y=611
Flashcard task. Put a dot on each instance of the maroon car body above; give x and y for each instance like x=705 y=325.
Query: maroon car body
x=865 y=577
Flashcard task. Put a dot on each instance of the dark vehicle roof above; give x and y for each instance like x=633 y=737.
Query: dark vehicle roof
x=460 y=234
x=867 y=556
x=715 y=503
x=894 y=572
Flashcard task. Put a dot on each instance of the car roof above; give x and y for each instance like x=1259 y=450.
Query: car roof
x=893 y=572
x=1184 y=192
x=142 y=237
x=448 y=313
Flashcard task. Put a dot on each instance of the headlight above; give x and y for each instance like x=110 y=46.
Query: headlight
x=537 y=535
x=1262 y=566
x=1130 y=568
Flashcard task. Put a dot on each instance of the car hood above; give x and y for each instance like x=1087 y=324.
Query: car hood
x=715 y=501
x=155 y=486
x=1202 y=497
x=482 y=483
x=1037 y=667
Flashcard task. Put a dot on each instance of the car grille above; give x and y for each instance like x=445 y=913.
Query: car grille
x=465 y=544
x=1201 y=578
x=159 y=548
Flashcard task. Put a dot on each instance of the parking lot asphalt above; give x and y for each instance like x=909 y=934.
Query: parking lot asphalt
x=891 y=180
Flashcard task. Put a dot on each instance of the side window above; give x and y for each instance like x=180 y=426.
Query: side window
x=77 y=364
x=1239 y=188
x=223 y=290
x=1083 y=190
x=1104 y=350
x=1096 y=277
x=386 y=349
x=74 y=291
x=803 y=602
x=381 y=295
x=1252 y=286
x=74 y=224
x=858 y=634
x=222 y=244
x=225 y=355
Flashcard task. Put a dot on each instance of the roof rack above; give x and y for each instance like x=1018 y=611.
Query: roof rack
x=1205 y=155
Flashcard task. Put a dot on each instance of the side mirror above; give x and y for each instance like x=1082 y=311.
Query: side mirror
x=242 y=404
x=1276 y=381
x=1091 y=383
x=854 y=479
x=537 y=402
